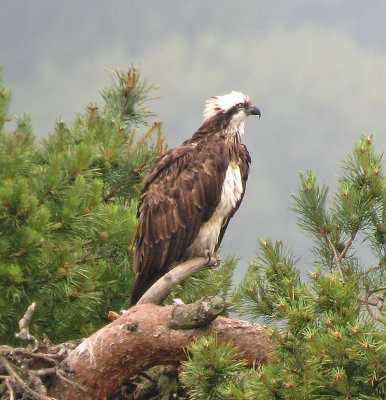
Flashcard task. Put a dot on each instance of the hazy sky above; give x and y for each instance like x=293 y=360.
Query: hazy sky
x=316 y=69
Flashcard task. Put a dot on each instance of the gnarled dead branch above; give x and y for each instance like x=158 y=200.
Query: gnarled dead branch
x=142 y=338
x=161 y=289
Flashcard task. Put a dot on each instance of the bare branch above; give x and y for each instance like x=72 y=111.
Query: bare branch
x=45 y=371
x=24 y=322
x=86 y=258
x=24 y=327
x=198 y=314
x=367 y=304
x=372 y=269
x=49 y=364
x=10 y=389
x=51 y=358
x=20 y=382
x=160 y=290
x=141 y=338
x=337 y=258
x=346 y=248
x=380 y=289
x=369 y=301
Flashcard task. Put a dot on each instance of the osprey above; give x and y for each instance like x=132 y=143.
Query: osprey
x=192 y=191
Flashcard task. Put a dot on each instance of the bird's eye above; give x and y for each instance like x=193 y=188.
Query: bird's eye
x=240 y=105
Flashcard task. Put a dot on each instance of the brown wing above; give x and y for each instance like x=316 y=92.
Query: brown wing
x=180 y=193
x=244 y=162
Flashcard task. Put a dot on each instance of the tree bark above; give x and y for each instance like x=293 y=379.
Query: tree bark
x=142 y=338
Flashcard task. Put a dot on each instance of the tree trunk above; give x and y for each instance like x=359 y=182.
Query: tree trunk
x=142 y=338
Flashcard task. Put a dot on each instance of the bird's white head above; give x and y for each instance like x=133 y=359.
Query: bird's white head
x=234 y=107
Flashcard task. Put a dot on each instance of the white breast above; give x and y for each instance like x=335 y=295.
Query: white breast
x=231 y=193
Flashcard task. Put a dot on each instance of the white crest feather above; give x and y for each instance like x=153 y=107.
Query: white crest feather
x=223 y=103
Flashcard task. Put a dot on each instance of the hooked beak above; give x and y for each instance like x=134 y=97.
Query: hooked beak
x=254 y=111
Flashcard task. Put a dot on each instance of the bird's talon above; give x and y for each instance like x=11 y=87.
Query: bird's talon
x=209 y=256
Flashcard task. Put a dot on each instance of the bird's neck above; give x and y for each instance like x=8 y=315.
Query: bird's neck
x=233 y=143
x=232 y=133
x=235 y=129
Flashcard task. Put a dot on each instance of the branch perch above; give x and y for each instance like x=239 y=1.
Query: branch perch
x=160 y=289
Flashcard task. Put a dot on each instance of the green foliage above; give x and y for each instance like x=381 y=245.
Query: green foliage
x=125 y=97
x=212 y=369
x=68 y=214
x=358 y=207
x=329 y=332
x=5 y=98
x=272 y=276
x=327 y=349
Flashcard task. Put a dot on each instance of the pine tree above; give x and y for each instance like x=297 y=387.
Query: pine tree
x=329 y=331
x=68 y=212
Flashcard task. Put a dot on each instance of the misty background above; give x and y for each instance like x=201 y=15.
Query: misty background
x=316 y=69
